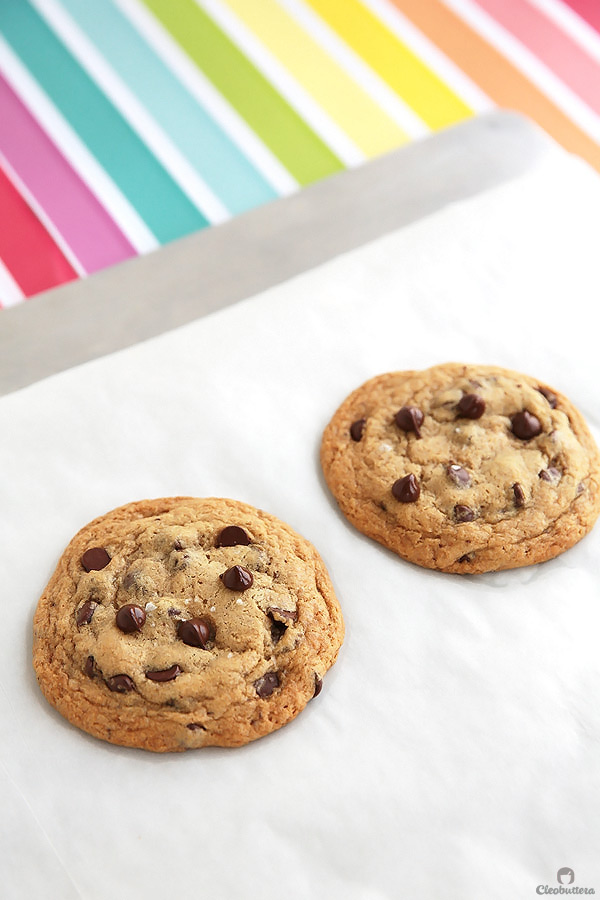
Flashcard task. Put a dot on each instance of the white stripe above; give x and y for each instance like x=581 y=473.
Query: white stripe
x=431 y=55
x=41 y=215
x=529 y=65
x=208 y=97
x=75 y=151
x=124 y=100
x=356 y=68
x=290 y=89
x=576 y=27
x=10 y=292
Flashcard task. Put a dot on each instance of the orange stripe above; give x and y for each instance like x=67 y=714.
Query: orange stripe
x=495 y=75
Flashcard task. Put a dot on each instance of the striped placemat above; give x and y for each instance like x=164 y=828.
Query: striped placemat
x=125 y=124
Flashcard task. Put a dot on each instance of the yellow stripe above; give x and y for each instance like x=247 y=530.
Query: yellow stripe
x=418 y=86
x=371 y=129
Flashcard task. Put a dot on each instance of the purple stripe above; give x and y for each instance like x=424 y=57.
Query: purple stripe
x=85 y=225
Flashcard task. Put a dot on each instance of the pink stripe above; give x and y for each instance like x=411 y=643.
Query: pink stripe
x=84 y=224
x=563 y=56
x=588 y=10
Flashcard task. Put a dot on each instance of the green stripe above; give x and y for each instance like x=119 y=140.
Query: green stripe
x=149 y=188
x=300 y=150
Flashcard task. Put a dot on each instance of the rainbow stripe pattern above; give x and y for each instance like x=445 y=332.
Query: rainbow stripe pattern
x=126 y=124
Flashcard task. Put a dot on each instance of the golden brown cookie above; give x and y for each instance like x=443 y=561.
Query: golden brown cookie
x=183 y=622
x=464 y=468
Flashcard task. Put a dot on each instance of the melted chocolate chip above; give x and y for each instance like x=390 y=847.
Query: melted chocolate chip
x=357 y=429
x=90 y=668
x=85 y=612
x=266 y=684
x=95 y=558
x=525 y=425
x=467 y=557
x=463 y=513
x=195 y=632
x=278 y=629
x=549 y=395
x=471 y=406
x=280 y=620
x=519 y=494
x=164 y=674
x=282 y=615
x=406 y=489
x=410 y=418
x=120 y=683
x=130 y=618
x=551 y=474
x=318 y=686
x=233 y=536
x=458 y=475
x=237 y=578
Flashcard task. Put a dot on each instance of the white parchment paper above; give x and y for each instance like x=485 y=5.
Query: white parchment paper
x=454 y=751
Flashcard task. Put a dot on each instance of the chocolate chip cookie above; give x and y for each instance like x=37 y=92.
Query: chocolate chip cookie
x=464 y=468
x=179 y=623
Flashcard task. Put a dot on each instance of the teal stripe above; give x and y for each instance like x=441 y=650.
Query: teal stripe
x=149 y=188
x=214 y=156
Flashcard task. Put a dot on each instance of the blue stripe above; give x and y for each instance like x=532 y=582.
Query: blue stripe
x=197 y=136
x=149 y=188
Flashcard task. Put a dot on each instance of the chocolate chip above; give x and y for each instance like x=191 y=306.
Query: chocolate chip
x=357 y=429
x=278 y=629
x=95 y=558
x=283 y=615
x=90 y=668
x=410 y=418
x=195 y=632
x=120 y=683
x=266 y=684
x=280 y=620
x=467 y=557
x=551 y=474
x=172 y=612
x=177 y=545
x=164 y=674
x=318 y=686
x=519 y=494
x=463 y=513
x=130 y=618
x=232 y=536
x=549 y=395
x=196 y=726
x=471 y=406
x=458 y=475
x=85 y=612
x=406 y=489
x=237 y=578
x=525 y=425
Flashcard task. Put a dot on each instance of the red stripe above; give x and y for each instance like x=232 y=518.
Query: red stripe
x=29 y=253
x=588 y=10
x=563 y=56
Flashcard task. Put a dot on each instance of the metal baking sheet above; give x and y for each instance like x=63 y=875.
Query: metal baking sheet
x=214 y=268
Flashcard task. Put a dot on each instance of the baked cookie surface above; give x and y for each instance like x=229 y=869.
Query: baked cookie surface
x=182 y=622
x=463 y=468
